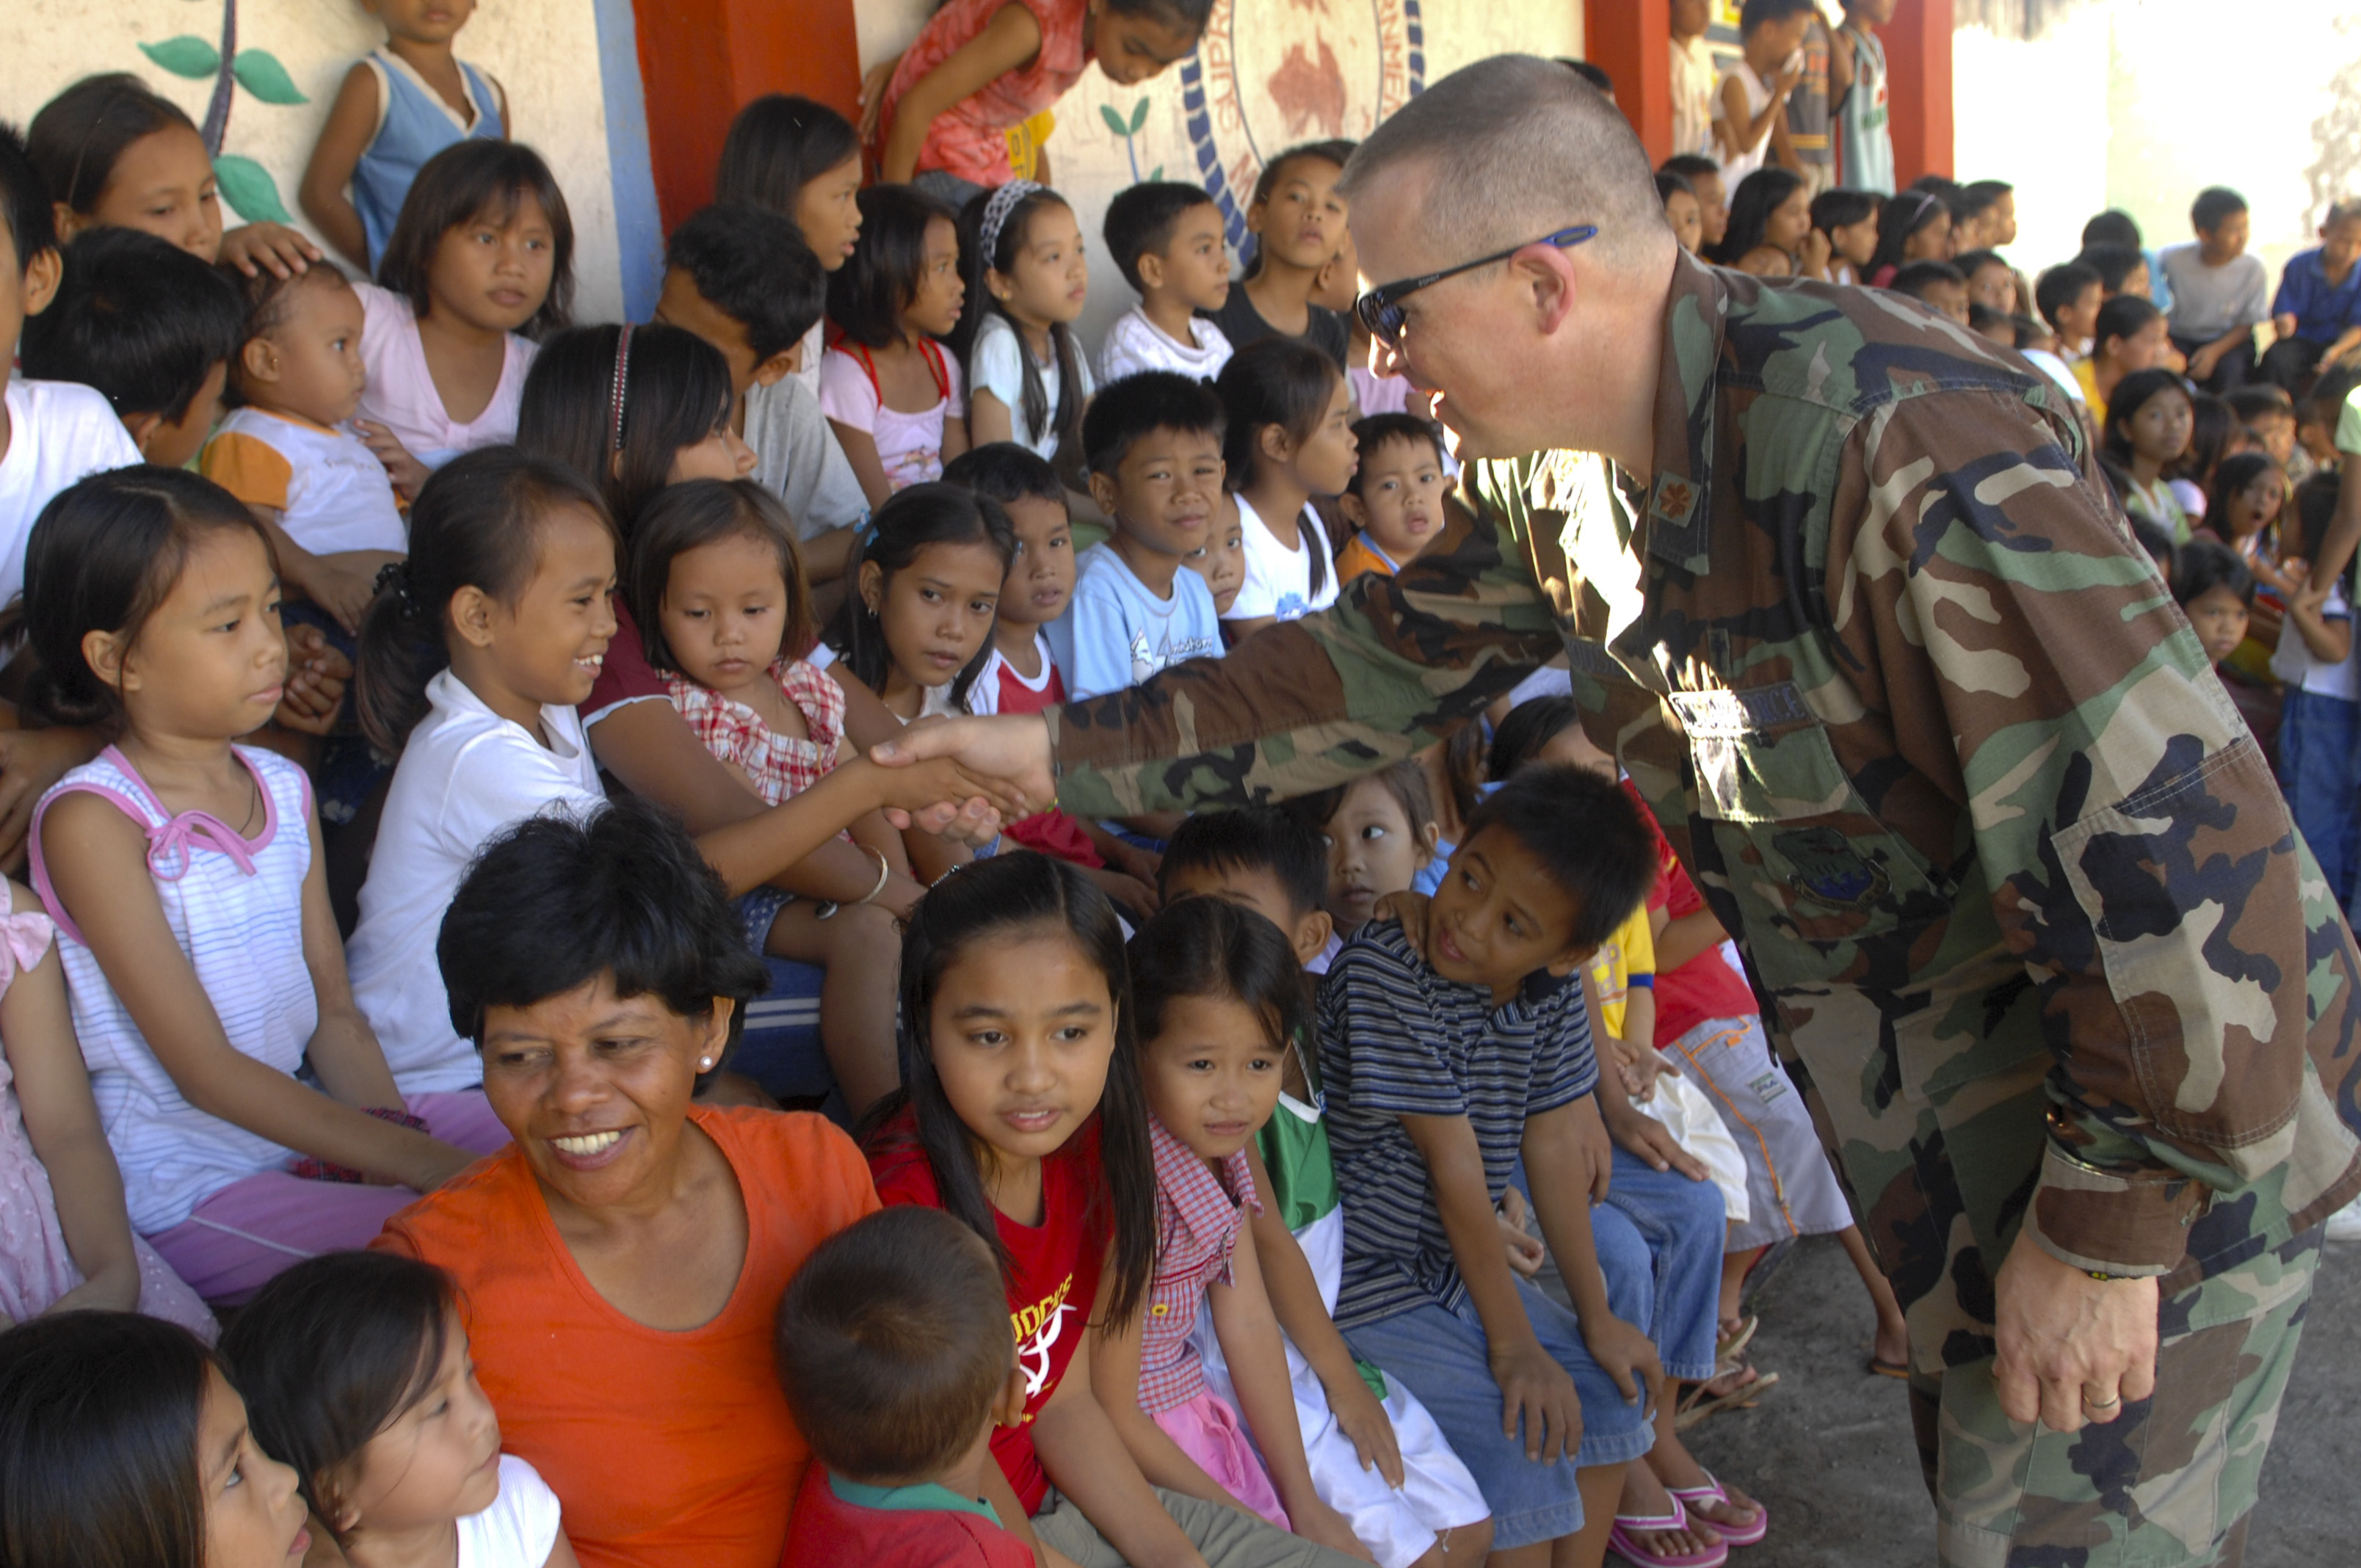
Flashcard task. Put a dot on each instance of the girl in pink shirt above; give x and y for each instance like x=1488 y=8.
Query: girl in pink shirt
x=981 y=67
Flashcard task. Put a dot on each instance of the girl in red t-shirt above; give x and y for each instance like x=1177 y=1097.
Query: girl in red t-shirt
x=1022 y=1115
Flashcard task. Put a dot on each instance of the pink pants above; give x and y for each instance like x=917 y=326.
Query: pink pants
x=236 y=1240
x=1210 y=1432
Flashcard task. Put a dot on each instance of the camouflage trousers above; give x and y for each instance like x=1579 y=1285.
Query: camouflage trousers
x=1939 y=1169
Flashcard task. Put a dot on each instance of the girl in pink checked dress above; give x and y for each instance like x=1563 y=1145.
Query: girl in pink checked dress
x=719 y=596
x=65 y=1240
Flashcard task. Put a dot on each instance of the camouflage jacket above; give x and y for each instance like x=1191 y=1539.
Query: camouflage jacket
x=1925 y=725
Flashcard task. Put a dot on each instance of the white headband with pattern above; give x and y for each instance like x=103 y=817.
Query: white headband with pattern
x=995 y=214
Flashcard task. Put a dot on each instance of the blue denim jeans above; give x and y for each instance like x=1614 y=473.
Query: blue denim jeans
x=2320 y=739
x=1671 y=1286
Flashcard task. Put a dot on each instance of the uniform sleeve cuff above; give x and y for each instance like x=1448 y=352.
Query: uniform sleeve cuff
x=2130 y=1222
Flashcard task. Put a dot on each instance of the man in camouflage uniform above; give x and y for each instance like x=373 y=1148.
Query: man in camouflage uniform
x=2071 y=1000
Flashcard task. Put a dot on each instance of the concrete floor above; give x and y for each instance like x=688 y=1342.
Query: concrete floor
x=1829 y=1451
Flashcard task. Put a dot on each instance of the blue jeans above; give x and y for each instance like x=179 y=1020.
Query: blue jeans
x=2320 y=739
x=1442 y=1356
x=1666 y=1279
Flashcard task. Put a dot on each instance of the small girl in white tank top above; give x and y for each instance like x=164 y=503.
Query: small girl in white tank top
x=185 y=876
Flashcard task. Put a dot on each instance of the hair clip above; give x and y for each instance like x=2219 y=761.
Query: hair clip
x=623 y=383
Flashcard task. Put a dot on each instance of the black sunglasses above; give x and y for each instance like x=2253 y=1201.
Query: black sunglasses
x=1380 y=310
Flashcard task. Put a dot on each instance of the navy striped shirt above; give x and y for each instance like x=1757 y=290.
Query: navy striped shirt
x=1399 y=1039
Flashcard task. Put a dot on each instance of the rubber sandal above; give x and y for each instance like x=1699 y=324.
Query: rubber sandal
x=1623 y=1540
x=1714 y=1492
x=1889 y=1368
x=1695 y=1407
x=1727 y=1347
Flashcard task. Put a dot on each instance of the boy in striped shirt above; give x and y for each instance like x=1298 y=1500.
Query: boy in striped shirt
x=1448 y=1060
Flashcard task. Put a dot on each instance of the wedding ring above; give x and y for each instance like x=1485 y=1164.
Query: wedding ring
x=2109 y=1403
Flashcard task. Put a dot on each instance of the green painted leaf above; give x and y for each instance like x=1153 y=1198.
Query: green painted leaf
x=248 y=188
x=1156 y=174
x=1114 y=121
x=1138 y=117
x=185 y=56
x=260 y=72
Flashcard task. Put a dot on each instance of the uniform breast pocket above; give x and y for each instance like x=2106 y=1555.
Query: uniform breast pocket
x=1827 y=893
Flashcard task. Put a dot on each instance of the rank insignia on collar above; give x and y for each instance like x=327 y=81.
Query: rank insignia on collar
x=1830 y=870
x=1676 y=499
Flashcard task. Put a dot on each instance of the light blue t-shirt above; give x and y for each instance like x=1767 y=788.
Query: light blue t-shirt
x=1116 y=634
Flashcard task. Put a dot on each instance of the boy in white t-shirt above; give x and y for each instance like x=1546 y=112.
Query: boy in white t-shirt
x=52 y=433
x=1154 y=441
x=1167 y=238
x=323 y=497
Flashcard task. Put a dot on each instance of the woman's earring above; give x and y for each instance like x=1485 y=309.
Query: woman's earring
x=704 y=1064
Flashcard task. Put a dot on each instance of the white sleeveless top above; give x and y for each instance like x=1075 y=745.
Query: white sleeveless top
x=236 y=908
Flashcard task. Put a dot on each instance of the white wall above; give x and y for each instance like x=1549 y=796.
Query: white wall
x=544 y=52
x=1249 y=43
x=2141 y=103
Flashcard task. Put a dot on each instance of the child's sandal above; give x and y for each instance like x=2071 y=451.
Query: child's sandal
x=1702 y=1402
x=1623 y=1540
x=1714 y=1492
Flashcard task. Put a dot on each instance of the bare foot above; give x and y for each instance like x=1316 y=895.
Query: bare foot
x=1644 y=1497
x=1892 y=1345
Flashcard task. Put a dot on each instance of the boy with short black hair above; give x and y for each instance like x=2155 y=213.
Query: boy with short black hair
x=2220 y=294
x=1447 y=1060
x=52 y=433
x=1395 y=497
x=1704 y=176
x=2267 y=413
x=742 y=279
x=896 y=1357
x=1936 y=284
x=1998 y=198
x=1154 y=445
x=1264 y=859
x=150 y=328
x=1167 y=240
x=2069 y=296
x=2317 y=314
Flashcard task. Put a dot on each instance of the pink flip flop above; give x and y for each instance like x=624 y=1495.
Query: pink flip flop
x=1713 y=1492
x=1623 y=1540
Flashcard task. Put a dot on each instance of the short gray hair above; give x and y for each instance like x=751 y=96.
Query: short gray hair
x=1521 y=147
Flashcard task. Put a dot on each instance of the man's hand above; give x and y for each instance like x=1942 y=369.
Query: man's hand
x=1013 y=748
x=1536 y=1390
x=2202 y=363
x=2070 y=1348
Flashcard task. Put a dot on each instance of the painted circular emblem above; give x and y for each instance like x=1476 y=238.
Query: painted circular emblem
x=1295 y=71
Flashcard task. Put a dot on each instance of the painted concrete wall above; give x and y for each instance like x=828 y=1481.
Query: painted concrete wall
x=544 y=52
x=2141 y=103
x=1270 y=73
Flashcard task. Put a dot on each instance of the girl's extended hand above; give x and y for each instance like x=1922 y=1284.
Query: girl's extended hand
x=408 y=473
x=1361 y=1416
x=282 y=250
x=317 y=673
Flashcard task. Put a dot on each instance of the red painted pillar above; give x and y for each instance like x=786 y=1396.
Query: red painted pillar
x=1918 y=53
x=700 y=61
x=1631 y=41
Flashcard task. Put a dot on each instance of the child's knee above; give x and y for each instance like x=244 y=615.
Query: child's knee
x=867 y=935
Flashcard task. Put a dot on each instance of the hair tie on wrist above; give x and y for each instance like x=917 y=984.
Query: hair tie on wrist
x=622 y=389
x=995 y=215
